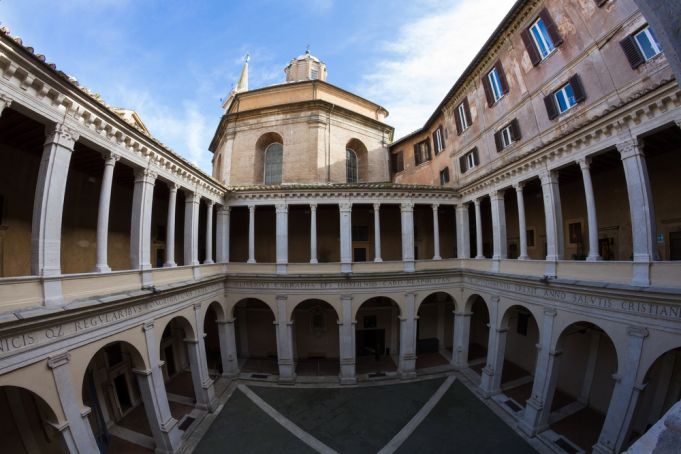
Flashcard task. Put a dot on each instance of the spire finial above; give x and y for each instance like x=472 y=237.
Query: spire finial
x=247 y=58
x=307 y=49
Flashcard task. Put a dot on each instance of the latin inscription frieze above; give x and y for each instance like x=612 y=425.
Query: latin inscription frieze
x=392 y=283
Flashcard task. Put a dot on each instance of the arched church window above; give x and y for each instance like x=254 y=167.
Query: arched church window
x=351 y=166
x=273 y=162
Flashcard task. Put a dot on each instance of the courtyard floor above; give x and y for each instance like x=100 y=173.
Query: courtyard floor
x=433 y=415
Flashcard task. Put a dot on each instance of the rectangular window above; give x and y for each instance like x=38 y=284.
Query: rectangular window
x=462 y=116
x=463 y=123
x=422 y=152
x=397 y=162
x=469 y=160
x=565 y=98
x=495 y=84
x=542 y=39
x=647 y=43
x=314 y=74
x=506 y=139
x=444 y=176
x=438 y=140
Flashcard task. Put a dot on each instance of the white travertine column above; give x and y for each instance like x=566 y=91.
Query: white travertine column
x=346 y=332
x=345 y=209
x=478 y=230
x=80 y=430
x=522 y=227
x=251 y=234
x=209 y=232
x=191 y=229
x=407 y=210
x=164 y=428
x=553 y=215
x=624 y=396
x=170 y=225
x=498 y=225
x=101 y=262
x=490 y=378
x=436 y=233
x=285 y=357
x=463 y=240
x=282 y=237
x=408 y=337
x=641 y=208
x=5 y=102
x=198 y=363
x=48 y=207
x=313 y=233
x=140 y=224
x=228 y=353
x=592 y=219
x=222 y=235
x=377 y=232
x=461 y=334
x=538 y=407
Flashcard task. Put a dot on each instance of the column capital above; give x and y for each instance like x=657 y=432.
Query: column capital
x=251 y=208
x=630 y=148
x=110 y=158
x=224 y=209
x=283 y=298
x=281 y=208
x=145 y=175
x=495 y=298
x=61 y=135
x=210 y=203
x=548 y=177
x=519 y=186
x=476 y=202
x=197 y=306
x=497 y=194
x=148 y=325
x=313 y=206
x=5 y=101
x=377 y=206
x=345 y=207
x=550 y=312
x=173 y=187
x=584 y=163
x=407 y=206
x=435 y=206
x=58 y=360
x=637 y=331
x=346 y=297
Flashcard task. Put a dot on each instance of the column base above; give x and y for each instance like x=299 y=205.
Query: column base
x=52 y=293
x=196 y=271
x=288 y=380
x=282 y=268
x=641 y=274
x=378 y=260
x=208 y=262
x=102 y=268
x=250 y=261
x=598 y=448
x=346 y=267
x=437 y=257
x=169 y=265
x=594 y=258
x=523 y=257
x=348 y=380
x=409 y=266
x=479 y=257
x=314 y=261
x=550 y=268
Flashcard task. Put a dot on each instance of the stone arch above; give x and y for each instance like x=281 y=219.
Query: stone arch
x=183 y=322
x=331 y=303
x=213 y=315
x=216 y=306
x=563 y=323
x=472 y=298
x=360 y=150
x=261 y=145
x=435 y=329
x=661 y=346
x=375 y=299
x=255 y=334
x=478 y=336
x=429 y=295
x=377 y=335
x=316 y=340
x=266 y=302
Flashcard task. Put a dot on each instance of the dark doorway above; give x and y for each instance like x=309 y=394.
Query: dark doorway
x=122 y=393
x=371 y=342
x=675 y=245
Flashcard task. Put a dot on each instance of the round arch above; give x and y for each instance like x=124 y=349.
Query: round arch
x=562 y=326
x=264 y=142
x=437 y=295
x=218 y=309
x=377 y=301
x=315 y=300
x=472 y=299
x=245 y=301
x=508 y=312
x=316 y=342
x=182 y=322
x=362 y=158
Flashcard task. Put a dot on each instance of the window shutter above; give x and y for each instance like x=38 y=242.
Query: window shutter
x=416 y=154
x=551 y=27
x=532 y=51
x=457 y=120
x=476 y=158
x=488 y=90
x=600 y=3
x=515 y=130
x=632 y=52
x=462 y=164
x=502 y=77
x=578 y=88
x=428 y=148
x=467 y=111
x=442 y=136
x=435 y=142
x=551 y=106
x=498 y=142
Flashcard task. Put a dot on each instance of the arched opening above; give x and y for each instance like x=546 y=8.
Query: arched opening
x=268 y=159
x=478 y=337
x=27 y=423
x=217 y=168
x=435 y=331
x=520 y=356
x=583 y=384
x=361 y=160
x=110 y=388
x=274 y=155
x=351 y=171
x=316 y=338
x=662 y=390
x=377 y=336
x=211 y=339
x=256 y=338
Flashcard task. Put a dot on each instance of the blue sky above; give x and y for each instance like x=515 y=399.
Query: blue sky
x=173 y=60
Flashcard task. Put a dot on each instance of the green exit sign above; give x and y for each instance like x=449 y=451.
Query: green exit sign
x=660 y=237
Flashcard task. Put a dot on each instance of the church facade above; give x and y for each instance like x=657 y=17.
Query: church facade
x=526 y=237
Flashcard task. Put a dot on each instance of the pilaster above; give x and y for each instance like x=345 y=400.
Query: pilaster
x=522 y=228
x=102 y=265
x=407 y=213
x=251 y=234
x=478 y=230
x=209 y=232
x=347 y=342
x=553 y=216
x=222 y=235
x=345 y=209
x=282 y=237
x=592 y=219
x=377 y=233
x=313 y=233
x=191 y=228
x=170 y=225
x=228 y=353
x=408 y=337
x=436 y=233
x=463 y=242
x=285 y=355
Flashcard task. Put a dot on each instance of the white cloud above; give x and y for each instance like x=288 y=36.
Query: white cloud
x=427 y=58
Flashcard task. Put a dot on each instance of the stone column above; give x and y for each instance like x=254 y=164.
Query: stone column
x=346 y=236
x=170 y=225
x=624 y=396
x=490 y=380
x=140 y=224
x=5 y=102
x=498 y=225
x=282 y=237
x=251 y=234
x=164 y=427
x=222 y=235
x=436 y=233
x=584 y=164
x=554 y=220
x=522 y=228
x=478 y=230
x=407 y=210
x=408 y=337
x=377 y=232
x=641 y=208
x=228 y=354
x=285 y=357
x=346 y=332
x=461 y=334
x=209 y=232
x=47 y=209
x=538 y=407
x=463 y=241
x=191 y=229
x=82 y=436
x=201 y=363
x=101 y=262
x=313 y=233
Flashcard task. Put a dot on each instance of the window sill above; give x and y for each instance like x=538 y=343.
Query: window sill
x=554 y=51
